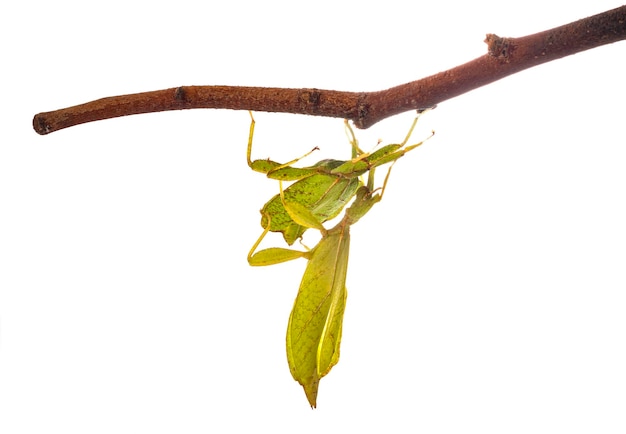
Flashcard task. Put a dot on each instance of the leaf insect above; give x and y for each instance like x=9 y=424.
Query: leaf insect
x=315 y=323
x=324 y=188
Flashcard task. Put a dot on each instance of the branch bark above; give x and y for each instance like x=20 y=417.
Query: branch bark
x=505 y=56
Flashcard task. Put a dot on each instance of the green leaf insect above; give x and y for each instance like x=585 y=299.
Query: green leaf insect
x=315 y=322
x=324 y=188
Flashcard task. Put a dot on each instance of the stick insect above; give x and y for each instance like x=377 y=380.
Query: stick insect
x=315 y=322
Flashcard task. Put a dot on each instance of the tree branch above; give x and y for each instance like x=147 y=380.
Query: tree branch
x=505 y=56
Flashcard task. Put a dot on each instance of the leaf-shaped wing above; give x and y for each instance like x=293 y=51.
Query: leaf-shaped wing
x=314 y=330
x=324 y=195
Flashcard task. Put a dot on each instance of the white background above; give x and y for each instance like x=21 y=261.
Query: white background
x=486 y=292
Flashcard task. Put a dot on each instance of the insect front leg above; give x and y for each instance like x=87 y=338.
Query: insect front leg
x=272 y=255
x=391 y=153
x=354 y=143
x=268 y=166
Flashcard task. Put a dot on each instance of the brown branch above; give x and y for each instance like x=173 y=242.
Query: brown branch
x=505 y=56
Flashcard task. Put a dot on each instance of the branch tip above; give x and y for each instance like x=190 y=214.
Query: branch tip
x=40 y=125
